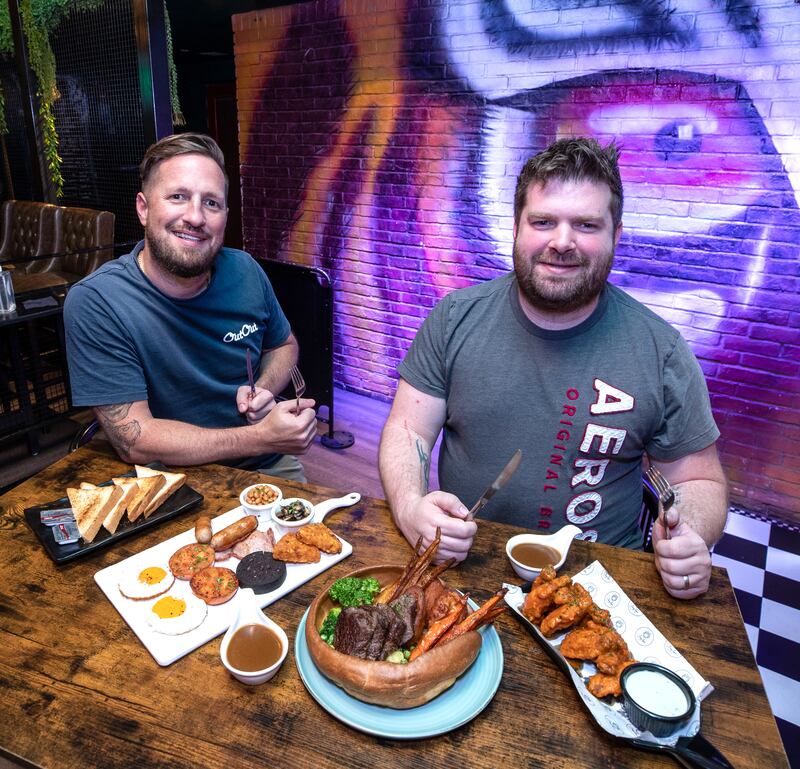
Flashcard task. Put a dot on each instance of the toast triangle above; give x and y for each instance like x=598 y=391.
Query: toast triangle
x=172 y=482
x=91 y=506
x=111 y=521
x=147 y=487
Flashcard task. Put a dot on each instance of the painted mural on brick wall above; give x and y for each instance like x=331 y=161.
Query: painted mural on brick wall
x=383 y=146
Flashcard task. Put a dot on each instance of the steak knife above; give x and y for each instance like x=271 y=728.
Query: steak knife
x=498 y=484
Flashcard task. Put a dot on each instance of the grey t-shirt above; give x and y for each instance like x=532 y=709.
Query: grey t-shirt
x=583 y=404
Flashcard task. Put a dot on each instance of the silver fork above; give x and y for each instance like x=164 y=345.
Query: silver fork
x=299 y=385
x=666 y=494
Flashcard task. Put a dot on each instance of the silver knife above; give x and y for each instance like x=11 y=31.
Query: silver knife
x=498 y=484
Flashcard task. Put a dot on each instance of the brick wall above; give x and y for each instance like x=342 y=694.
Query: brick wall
x=380 y=141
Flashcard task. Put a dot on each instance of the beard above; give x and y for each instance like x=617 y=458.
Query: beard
x=182 y=262
x=561 y=294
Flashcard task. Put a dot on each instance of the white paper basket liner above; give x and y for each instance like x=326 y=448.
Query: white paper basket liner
x=646 y=644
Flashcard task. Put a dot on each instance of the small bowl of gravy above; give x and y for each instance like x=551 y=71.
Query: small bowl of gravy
x=254 y=647
x=530 y=553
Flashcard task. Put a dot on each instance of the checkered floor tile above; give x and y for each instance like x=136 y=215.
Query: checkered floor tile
x=763 y=563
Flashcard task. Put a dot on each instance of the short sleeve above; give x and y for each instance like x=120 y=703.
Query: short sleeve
x=277 y=328
x=688 y=424
x=425 y=364
x=104 y=366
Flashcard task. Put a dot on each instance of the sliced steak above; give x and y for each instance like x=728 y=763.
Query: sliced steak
x=384 y=620
x=354 y=630
x=394 y=635
x=406 y=608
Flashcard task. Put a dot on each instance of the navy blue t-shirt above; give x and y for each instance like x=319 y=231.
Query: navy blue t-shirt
x=126 y=341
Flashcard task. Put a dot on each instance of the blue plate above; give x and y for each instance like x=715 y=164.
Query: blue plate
x=467 y=697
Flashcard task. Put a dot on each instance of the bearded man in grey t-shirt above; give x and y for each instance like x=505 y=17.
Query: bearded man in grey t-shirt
x=555 y=360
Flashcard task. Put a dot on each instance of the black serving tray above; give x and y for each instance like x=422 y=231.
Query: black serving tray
x=184 y=499
x=694 y=752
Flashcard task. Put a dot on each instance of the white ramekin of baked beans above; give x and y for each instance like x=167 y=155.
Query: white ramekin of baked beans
x=260 y=499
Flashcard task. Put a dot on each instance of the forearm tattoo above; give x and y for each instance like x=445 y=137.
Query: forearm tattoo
x=424 y=465
x=122 y=434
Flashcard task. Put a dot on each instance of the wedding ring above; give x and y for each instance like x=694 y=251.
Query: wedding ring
x=685 y=581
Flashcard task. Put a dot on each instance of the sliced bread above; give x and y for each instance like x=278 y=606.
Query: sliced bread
x=172 y=482
x=128 y=489
x=91 y=506
x=147 y=488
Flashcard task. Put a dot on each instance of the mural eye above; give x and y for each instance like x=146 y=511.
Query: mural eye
x=678 y=141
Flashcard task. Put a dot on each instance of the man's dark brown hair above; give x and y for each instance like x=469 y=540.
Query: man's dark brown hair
x=573 y=160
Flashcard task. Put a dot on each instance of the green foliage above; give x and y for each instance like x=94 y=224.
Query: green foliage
x=6 y=38
x=329 y=625
x=43 y=64
x=177 y=115
x=39 y=20
x=50 y=142
x=354 y=591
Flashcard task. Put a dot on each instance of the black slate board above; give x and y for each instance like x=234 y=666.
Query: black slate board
x=184 y=499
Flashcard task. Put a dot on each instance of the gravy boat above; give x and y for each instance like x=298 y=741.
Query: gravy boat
x=250 y=613
x=560 y=541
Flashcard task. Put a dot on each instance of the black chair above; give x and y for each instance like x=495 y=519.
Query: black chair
x=306 y=296
x=84 y=434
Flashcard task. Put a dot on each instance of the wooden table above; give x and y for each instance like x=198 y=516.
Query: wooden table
x=79 y=690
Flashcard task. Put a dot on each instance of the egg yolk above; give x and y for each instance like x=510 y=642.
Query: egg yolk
x=169 y=607
x=152 y=575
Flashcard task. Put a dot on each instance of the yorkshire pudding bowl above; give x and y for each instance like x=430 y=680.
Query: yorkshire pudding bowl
x=386 y=683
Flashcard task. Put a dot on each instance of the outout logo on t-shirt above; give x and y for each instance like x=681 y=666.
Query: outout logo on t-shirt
x=589 y=471
x=237 y=336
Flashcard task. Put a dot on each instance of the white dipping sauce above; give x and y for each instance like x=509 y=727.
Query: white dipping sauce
x=656 y=693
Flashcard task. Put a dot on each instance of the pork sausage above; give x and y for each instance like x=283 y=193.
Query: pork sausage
x=230 y=535
x=202 y=529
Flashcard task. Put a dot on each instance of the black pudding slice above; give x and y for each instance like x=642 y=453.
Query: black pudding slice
x=261 y=572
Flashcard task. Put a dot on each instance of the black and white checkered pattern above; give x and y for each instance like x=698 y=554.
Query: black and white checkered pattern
x=763 y=563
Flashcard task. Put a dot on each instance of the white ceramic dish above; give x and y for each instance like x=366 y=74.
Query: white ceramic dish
x=559 y=541
x=294 y=524
x=167 y=649
x=249 y=613
x=262 y=512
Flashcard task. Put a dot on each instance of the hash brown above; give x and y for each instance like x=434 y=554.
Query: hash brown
x=320 y=536
x=290 y=549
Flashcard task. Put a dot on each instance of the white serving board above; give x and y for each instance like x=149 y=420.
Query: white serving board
x=167 y=649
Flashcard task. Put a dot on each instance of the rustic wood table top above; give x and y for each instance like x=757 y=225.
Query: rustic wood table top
x=80 y=690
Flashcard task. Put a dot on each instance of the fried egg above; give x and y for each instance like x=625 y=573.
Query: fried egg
x=175 y=615
x=149 y=582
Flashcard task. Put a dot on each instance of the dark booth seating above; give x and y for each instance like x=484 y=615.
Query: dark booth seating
x=47 y=246
x=29 y=231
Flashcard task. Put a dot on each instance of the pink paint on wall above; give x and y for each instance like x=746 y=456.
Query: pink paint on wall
x=382 y=144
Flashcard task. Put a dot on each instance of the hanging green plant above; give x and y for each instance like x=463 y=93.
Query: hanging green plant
x=43 y=64
x=177 y=115
x=39 y=19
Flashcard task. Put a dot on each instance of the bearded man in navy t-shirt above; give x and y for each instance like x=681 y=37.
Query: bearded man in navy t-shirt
x=157 y=340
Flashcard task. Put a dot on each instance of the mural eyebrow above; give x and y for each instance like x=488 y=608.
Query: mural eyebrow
x=744 y=18
x=655 y=28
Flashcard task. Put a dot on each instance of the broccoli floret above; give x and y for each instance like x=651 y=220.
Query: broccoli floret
x=354 y=591
x=329 y=625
